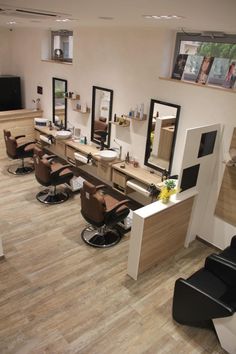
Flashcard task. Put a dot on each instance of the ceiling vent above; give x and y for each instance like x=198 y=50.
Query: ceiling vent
x=33 y=14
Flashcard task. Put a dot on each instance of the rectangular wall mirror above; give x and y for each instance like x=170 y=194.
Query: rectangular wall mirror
x=161 y=135
x=59 y=102
x=102 y=100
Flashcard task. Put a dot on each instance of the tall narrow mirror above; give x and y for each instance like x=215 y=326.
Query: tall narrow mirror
x=161 y=136
x=102 y=100
x=59 y=102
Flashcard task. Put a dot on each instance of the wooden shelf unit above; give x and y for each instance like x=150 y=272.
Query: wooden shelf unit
x=77 y=98
x=124 y=125
x=79 y=110
x=56 y=61
x=136 y=118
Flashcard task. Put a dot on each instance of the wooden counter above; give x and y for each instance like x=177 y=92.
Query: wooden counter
x=20 y=121
x=158 y=231
x=138 y=173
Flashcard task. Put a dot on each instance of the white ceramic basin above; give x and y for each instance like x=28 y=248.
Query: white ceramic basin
x=63 y=134
x=108 y=155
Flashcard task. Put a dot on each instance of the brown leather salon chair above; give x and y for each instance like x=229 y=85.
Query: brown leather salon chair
x=51 y=174
x=15 y=150
x=103 y=213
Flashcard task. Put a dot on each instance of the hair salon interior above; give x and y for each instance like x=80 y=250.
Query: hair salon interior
x=118 y=180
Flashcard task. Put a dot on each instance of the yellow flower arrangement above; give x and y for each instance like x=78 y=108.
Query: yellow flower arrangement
x=168 y=190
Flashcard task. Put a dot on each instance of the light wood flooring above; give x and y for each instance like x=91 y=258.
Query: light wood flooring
x=59 y=296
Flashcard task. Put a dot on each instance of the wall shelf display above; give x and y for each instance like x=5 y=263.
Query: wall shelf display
x=55 y=61
x=80 y=111
x=121 y=122
x=77 y=98
x=198 y=85
x=137 y=118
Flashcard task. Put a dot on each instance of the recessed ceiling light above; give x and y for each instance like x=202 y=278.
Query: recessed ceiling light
x=163 y=17
x=106 y=18
x=63 y=20
x=11 y=22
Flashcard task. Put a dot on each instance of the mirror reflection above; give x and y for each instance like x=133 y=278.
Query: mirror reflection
x=162 y=130
x=59 y=106
x=101 y=115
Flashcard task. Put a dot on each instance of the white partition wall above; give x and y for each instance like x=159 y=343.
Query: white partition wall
x=198 y=169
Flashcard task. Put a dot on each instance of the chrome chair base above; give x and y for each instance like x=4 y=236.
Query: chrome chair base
x=100 y=238
x=20 y=171
x=47 y=197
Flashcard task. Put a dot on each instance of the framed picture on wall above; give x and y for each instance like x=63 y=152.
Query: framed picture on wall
x=205 y=70
x=179 y=66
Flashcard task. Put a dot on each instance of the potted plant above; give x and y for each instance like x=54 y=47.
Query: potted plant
x=167 y=190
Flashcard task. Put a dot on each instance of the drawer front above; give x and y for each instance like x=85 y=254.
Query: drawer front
x=70 y=153
x=37 y=135
x=58 y=148
x=119 y=178
x=104 y=171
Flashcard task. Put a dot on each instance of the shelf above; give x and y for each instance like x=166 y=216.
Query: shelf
x=124 y=125
x=56 y=61
x=137 y=118
x=77 y=98
x=198 y=85
x=79 y=110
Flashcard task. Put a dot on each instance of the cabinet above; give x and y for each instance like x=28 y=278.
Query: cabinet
x=70 y=155
x=119 y=180
x=58 y=148
x=10 y=89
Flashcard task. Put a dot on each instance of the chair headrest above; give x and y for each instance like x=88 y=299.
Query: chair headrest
x=89 y=187
x=7 y=133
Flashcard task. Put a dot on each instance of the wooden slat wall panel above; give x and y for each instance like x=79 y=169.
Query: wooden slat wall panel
x=226 y=204
x=18 y=122
x=164 y=233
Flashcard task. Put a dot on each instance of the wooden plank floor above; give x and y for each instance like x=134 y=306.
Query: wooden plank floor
x=58 y=295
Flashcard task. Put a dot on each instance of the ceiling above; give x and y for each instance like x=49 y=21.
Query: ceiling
x=196 y=15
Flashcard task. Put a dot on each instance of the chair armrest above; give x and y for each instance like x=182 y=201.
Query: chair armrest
x=19 y=136
x=22 y=147
x=28 y=143
x=191 y=305
x=222 y=269
x=233 y=242
x=100 y=186
x=117 y=206
x=56 y=173
x=49 y=157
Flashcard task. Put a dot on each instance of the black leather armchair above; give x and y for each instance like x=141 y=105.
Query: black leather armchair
x=16 y=150
x=229 y=253
x=207 y=294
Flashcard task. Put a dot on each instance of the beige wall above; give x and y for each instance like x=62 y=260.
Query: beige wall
x=5 y=47
x=129 y=61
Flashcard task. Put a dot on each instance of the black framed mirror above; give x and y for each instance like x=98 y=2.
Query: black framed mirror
x=161 y=135
x=102 y=100
x=59 y=102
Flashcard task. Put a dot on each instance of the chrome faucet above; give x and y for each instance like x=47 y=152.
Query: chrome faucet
x=120 y=148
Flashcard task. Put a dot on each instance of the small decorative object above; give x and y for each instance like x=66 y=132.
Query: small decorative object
x=36 y=103
x=58 y=53
x=153 y=191
x=167 y=190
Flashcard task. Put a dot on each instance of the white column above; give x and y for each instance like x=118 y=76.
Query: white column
x=1 y=248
